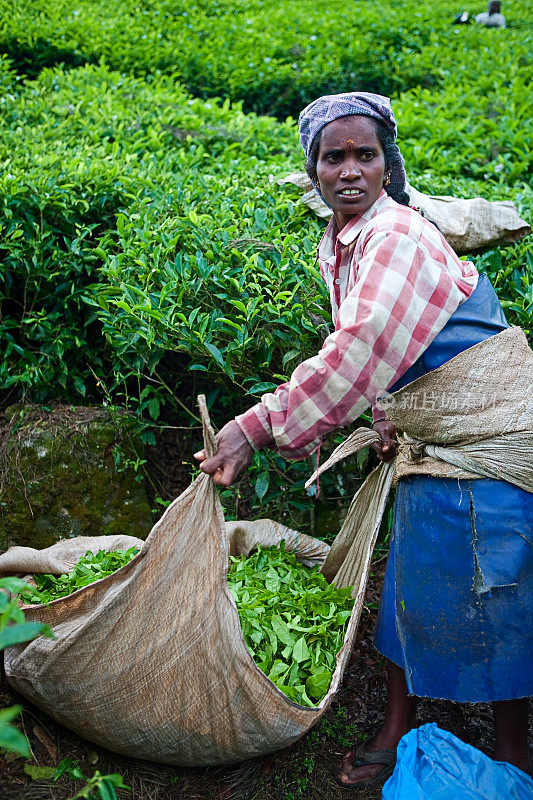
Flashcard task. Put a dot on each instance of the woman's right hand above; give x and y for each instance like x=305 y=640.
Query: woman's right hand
x=233 y=455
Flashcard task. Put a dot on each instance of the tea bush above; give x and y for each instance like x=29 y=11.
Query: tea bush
x=158 y=177
x=134 y=211
x=147 y=251
x=275 y=56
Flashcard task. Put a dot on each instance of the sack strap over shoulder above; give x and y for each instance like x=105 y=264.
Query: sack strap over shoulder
x=489 y=441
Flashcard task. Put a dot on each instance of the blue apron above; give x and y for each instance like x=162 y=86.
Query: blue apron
x=456 y=608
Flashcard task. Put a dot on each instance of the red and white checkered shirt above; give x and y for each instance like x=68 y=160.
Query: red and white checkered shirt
x=394 y=282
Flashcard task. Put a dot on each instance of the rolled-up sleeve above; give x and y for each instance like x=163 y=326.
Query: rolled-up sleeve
x=402 y=297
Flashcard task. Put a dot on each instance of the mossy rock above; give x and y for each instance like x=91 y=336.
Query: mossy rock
x=68 y=472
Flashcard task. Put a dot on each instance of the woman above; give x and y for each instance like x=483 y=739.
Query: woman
x=403 y=304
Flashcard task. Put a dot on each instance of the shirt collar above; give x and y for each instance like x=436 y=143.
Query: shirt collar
x=350 y=232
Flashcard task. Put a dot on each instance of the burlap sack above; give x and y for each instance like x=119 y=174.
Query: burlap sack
x=467 y=225
x=150 y=661
x=470 y=418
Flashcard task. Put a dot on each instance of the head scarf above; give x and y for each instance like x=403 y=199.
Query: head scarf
x=333 y=106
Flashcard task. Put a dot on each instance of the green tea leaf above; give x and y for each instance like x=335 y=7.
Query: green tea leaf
x=261 y=484
x=38 y=773
x=106 y=790
x=13 y=740
x=71 y=768
x=116 y=780
x=301 y=652
x=261 y=388
x=282 y=632
x=13 y=585
x=17 y=634
x=318 y=684
x=7 y=714
x=217 y=355
x=292 y=620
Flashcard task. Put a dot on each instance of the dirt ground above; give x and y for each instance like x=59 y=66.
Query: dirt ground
x=304 y=771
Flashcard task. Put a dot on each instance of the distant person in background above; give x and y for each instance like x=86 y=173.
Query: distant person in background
x=492 y=18
x=403 y=304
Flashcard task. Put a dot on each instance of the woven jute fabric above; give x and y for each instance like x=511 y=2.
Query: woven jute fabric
x=350 y=555
x=470 y=418
x=151 y=662
x=61 y=557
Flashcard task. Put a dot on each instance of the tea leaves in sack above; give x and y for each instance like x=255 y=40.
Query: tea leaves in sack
x=293 y=621
x=91 y=567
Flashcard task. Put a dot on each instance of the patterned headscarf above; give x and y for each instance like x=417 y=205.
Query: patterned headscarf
x=333 y=106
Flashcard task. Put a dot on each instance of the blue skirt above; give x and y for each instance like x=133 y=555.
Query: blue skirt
x=456 y=609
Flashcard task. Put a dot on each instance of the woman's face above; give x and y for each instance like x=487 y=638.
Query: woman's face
x=350 y=166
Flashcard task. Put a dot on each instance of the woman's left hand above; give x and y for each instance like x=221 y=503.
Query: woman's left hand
x=386 y=449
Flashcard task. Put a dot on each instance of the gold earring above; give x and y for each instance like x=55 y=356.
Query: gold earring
x=387 y=180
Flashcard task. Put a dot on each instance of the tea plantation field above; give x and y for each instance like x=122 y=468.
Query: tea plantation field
x=147 y=254
x=147 y=251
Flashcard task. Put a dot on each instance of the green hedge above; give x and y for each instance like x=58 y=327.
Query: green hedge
x=156 y=207
x=147 y=252
x=143 y=229
x=134 y=211
x=275 y=56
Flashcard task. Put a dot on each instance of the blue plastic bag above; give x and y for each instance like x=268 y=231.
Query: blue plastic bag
x=435 y=765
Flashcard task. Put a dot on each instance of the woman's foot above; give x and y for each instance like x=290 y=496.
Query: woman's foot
x=401 y=709
x=351 y=775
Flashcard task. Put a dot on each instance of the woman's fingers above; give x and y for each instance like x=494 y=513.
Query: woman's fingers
x=234 y=453
x=386 y=449
x=222 y=470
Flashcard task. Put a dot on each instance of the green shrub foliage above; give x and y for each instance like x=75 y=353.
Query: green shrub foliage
x=135 y=211
x=275 y=56
x=143 y=229
x=148 y=253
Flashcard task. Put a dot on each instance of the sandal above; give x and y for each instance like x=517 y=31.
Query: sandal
x=361 y=759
